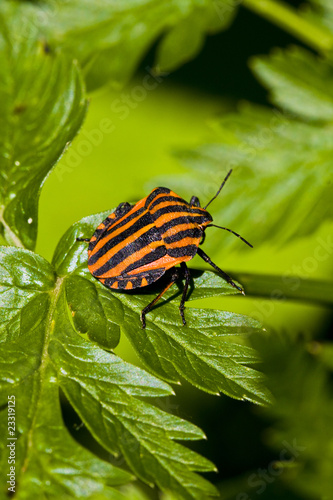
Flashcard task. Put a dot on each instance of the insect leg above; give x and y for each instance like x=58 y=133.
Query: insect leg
x=144 y=311
x=83 y=239
x=187 y=276
x=224 y=275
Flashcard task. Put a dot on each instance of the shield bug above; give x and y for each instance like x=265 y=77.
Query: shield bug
x=136 y=244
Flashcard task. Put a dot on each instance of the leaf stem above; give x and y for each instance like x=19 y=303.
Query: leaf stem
x=287 y=287
x=12 y=236
x=42 y=368
x=288 y=19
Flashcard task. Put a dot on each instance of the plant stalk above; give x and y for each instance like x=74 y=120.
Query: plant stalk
x=288 y=19
x=286 y=288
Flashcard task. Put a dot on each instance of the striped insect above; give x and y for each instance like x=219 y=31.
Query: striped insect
x=136 y=244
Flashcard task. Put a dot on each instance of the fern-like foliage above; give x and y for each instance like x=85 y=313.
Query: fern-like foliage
x=287 y=152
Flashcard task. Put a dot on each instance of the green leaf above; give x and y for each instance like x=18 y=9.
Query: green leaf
x=134 y=493
x=211 y=343
x=68 y=255
x=110 y=38
x=42 y=351
x=208 y=284
x=101 y=388
x=299 y=82
x=93 y=314
x=320 y=14
x=325 y=352
x=25 y=282
x=300 y=420
x=48 y=463
x=280 y=188
x=43 y=107
x=186 y=39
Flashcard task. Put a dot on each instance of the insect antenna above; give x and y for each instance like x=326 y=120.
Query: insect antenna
x=231 y=231
x=225 y=180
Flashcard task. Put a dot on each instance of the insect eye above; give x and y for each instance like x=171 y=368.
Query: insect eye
x=122 y=208
x=195 y=201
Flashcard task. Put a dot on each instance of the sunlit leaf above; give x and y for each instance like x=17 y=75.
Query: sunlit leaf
x=300 y=82
x=42 y=108
x=49 y=462
x=42 y=350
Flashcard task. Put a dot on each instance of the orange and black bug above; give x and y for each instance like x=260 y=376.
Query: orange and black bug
x=136 y=244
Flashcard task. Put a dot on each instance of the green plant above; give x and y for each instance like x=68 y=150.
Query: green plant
x=59 y=325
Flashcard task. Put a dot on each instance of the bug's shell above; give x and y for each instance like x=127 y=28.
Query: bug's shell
x=136 y=244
